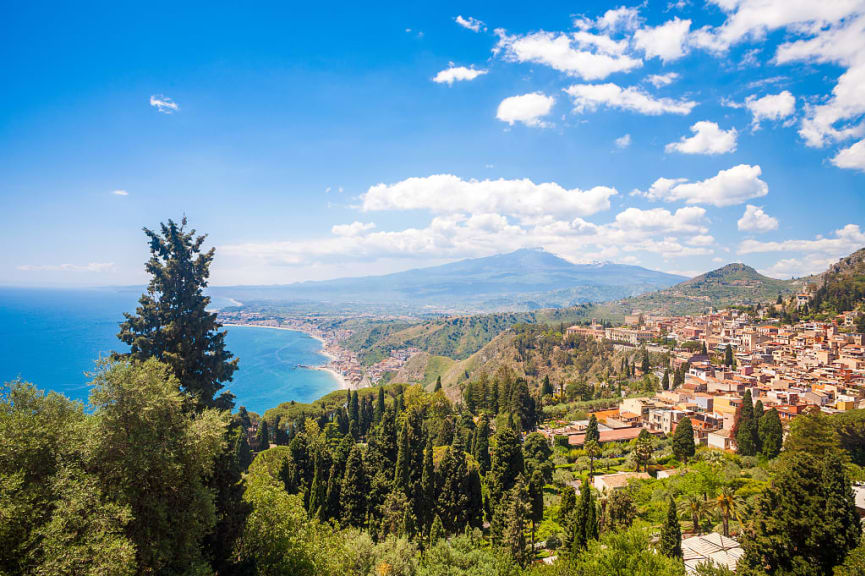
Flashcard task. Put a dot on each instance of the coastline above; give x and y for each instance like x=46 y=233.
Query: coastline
x=342 y=382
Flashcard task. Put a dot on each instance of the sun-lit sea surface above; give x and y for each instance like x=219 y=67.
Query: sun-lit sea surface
x=52 y=337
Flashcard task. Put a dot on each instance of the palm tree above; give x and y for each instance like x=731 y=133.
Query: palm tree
x=725 y=503
x=696 y=507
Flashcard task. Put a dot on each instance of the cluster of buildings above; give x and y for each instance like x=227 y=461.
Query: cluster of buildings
x=806 y=366
x=393 y=363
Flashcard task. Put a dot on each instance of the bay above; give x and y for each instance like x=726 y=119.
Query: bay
x=53 y=337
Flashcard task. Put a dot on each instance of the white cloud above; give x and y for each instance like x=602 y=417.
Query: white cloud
x=852 y=157
x=688 y=219
x=622 y=18
x=847 y=239
x=667 y=41
x=164 y=104
x=702 y=240
x=728 y=188
x=708 y=138
x=756 y=220
x=592 y=96
x=353 y=229
x=798 y=267
x=470 y=23
x=446 y=193
x=526 y=108
x=456 y=74
x=91 y=267
x=623 y=142
x=770 y=107
x=583 y=54
x=120 y=192
x=661 y=80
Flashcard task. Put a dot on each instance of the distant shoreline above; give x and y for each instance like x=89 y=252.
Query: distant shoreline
x=342 y=383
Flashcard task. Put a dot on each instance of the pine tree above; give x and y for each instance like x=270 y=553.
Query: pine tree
x=746 y=428
x=643 y=449
x=262 y=436
x=665 y=381
x=481 y=448
x=683 y=440
x=352 y=497
x=771 y=434
x=172 y=323
x=671 y=533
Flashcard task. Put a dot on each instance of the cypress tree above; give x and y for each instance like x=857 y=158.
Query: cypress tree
x=729 y=360
x=353 y=407
x=262 y=436
x=428 y=488
x=842 y=529
x=352 y=497
x=585 y=523
x=172 y=323
x=746 y=427
x=379 y=406
x=592 y=432
x=331 y=498
x=318 y=490
x=547 y=387
x=536 y=501
x=438 y=385
x=771 y=434
x=671 y=533
x=665 y=381
x=703 y=350
x=644 y=365
x=683 y=440
x=643 y=449
x=567 y=503
x=437 y=531
x=402 y=473
x=513 y=536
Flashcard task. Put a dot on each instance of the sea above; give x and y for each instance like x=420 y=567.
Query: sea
x=53 y=337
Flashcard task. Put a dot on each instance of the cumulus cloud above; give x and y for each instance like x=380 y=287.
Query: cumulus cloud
x=457 y=74
x=688 y=219
x=798 y=267
x=852 y=157
x=526 y=108
x=90 y=267
x=756 y=220
x=623 y=142
x=667 y=41
x=708 y=138
x=470 y=23
x=770 y=107
x=728 y=188
x=120 y=192
x=661 y=80
x=846 y=240
x=164 y=104
x=618 y=19
x=582 y=54
x=352 y=229
x=589 y=97
x=446 y=193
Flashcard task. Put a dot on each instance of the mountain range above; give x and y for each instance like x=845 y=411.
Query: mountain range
x=526 y=279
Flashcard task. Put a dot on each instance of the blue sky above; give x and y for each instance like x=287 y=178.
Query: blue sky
x=321 y=141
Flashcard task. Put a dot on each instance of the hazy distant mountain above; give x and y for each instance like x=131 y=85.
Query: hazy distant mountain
x=521 y=280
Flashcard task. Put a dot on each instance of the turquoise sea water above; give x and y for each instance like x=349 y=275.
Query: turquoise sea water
x=52 y=337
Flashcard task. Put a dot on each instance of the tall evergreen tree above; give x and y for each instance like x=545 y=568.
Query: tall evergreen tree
x=428 y=489
x=683 y=440
x=644 y=363
x=513 y=536
x=262 y=436
x=729 y=360
x=352 y=497
x=379 y=406
x=746 y=428
x=671 y=533
x=665 y=381
x=592 y=432
x=771 y=434
x=481 y=448
x=402 y=474
x=567 y=504
x=438 y=385
x=536 y=501
x=643 y=449
x=584 y=525
x=172 y=323
x=546 y=387
x=703 y=350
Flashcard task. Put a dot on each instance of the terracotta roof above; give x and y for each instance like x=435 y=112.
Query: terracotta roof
x=617 y=435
